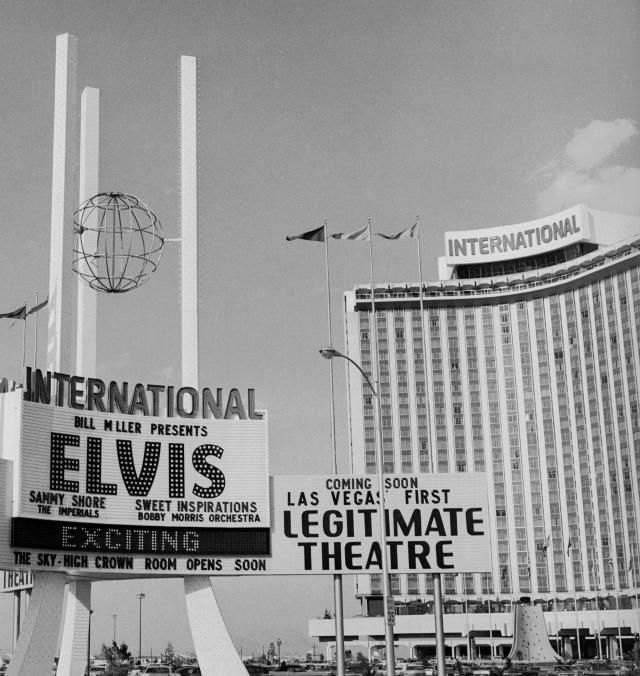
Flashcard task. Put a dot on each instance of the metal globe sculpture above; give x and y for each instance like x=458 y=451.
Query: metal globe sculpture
x=118 y=242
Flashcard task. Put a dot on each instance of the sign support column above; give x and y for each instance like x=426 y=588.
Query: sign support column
x=205 y=619
x=36 y=646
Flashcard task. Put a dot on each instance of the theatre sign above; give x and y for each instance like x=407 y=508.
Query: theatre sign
x=107 y=479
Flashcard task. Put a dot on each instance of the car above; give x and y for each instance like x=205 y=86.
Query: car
x=189 y=670
x=354 y=668
x=253 y=668
x=158 y=669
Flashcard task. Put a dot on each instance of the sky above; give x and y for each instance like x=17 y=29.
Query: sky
x=467 y=114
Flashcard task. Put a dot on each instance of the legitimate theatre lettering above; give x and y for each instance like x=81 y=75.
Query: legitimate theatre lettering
x=433 y=522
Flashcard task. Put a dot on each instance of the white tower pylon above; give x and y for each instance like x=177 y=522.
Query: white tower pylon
x=37 y=645
x=63 y=204
x=216 y=653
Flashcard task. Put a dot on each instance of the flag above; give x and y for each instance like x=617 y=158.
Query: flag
x=37 y=307
x=361 y=235
x=410 y=232
x=316 y=235
x=569 y=548
x=19 y=313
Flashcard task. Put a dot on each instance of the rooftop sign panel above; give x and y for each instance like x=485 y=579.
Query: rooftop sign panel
x=465 y=247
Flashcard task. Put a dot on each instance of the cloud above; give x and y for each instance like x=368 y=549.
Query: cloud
x=581 y=176
x=592 y=144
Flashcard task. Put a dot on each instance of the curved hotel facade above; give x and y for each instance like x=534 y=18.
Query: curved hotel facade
x=522 y=361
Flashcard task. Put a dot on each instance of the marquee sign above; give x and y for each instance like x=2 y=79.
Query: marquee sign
x=506 y=242
x=433 y=522
x=102 y=481
x=98 y=482
x=104 y=469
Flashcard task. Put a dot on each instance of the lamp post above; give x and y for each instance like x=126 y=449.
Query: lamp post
x=89 y=644
x=140 y=597
x=330 y=353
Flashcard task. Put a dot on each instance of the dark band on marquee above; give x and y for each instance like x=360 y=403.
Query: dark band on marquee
x=80 y=537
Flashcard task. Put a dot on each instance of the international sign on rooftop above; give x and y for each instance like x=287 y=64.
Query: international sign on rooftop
x=507 y=242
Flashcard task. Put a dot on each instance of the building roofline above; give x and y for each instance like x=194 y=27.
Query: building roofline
x=573 y=274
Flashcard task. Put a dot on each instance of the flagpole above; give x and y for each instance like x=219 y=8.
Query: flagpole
x=388 y=619
x=438 y=606
x=24 y=331
x=424 y=348
x=35 y=337
x=337 y=578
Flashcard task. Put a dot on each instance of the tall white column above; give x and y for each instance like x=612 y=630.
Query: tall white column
x=216 y=653
x=189 y=219
x=86 y=330
x=63 y=203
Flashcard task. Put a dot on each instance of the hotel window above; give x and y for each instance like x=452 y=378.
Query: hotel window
x=449 y=584
x=394 y=578
x=376 y=583
x=413 y=587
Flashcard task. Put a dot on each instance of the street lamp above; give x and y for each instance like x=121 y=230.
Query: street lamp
x=89 y=644
x=140 y=597
x=331 y=353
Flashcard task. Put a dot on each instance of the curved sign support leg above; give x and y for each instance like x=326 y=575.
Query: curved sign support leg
x=36 y=647
x=75 y=633
x=216 y=653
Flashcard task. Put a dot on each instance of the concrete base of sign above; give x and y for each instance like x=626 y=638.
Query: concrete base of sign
x=216 y=653
x=36 y=648
x=530 y=637
x=75 y=633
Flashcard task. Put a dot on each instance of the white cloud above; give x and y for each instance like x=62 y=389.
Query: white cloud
x=580 y=177
x=592 y=144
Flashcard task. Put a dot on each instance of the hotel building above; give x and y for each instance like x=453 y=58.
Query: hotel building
x=522 y=361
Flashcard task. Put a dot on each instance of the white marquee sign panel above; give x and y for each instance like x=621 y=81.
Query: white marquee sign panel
x=434 y=523
x=94 y=467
